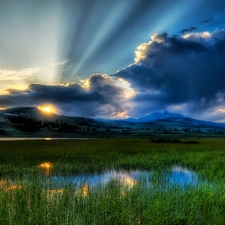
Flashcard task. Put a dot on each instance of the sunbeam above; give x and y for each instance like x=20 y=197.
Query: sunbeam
x=108 y=25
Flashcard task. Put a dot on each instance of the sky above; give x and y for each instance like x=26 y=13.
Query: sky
x=114 y=58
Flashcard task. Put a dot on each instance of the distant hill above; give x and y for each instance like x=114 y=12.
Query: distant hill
x=31 y=112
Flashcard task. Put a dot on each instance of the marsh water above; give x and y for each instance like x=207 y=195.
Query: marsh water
x=175 y=176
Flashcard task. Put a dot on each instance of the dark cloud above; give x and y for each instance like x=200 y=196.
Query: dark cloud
x=173 y=70
x=101 y=96
x=188 y=30
x=210 y=20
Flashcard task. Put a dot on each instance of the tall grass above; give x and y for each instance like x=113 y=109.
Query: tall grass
x=26 y=197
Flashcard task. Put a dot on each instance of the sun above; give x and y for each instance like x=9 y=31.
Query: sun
x=47 y=109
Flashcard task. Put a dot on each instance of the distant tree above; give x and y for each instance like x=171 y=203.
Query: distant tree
x=2 y=131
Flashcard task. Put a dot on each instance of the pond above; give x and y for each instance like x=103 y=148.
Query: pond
x=81 y=183
x=176 y=176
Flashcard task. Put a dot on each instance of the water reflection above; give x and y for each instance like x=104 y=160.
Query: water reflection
x=182 y=176
x=127 y=178
x=85 y=190
x=82 y=184
x=46 y=167
x=176 y=176
x=9 y=185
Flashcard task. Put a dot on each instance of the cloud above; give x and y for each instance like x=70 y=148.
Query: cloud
x=18 y=74
x=99 y=97
x=191 y=29
x=210 y=20
x=176 y=70
x=183 y=74
x=58 y=63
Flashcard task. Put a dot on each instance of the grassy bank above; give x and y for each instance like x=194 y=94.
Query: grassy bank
x=26 y=200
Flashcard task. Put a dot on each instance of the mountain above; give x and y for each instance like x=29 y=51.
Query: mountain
x=156 y=116
x=169 y=118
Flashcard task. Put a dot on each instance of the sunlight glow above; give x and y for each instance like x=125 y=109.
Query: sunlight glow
x=129 y=91
x=197 y=35
x=221 y=110
x=120 y=115
x=46 y=109
x=18 y=74
x=8 y=88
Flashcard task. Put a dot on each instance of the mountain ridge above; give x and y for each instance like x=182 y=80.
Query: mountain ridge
x=156 y=116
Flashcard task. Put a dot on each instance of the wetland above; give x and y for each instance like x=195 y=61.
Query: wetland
x=112 y=181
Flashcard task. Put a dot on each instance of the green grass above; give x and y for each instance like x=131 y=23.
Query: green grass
x=25 y=200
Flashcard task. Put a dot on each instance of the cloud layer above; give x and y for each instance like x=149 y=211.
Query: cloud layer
x=175 y=70
x=99 y=96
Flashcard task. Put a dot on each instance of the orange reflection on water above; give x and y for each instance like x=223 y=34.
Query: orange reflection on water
x=3 y=183
x=9 y=187
x=85 y=190
x=138 y=220
x=14 y=187
x=53 y=194
x=46 y=167
x=128 y=181
x=55 y=191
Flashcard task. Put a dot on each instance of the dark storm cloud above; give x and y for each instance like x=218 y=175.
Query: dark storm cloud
x=173 y=70
x=101 y=96
x=188 y=30
x=210 y=20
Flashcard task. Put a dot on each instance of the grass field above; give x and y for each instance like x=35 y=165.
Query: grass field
x=26 y=197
